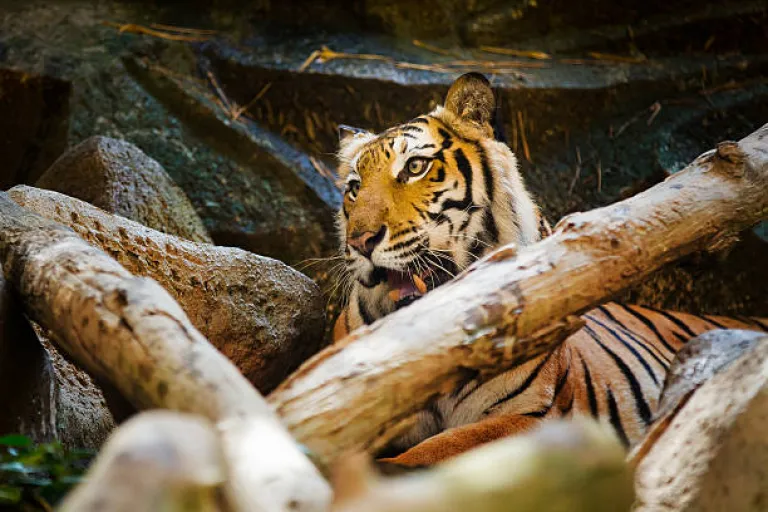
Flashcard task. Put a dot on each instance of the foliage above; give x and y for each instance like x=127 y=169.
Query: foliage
x=35 y=477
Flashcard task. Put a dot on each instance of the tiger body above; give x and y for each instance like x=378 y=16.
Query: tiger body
x=424 y=200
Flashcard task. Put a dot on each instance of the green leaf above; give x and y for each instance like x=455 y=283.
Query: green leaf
x=9 y=495
x=15 y=440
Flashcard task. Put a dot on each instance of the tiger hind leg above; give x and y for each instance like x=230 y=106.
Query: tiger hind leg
x=457 y=440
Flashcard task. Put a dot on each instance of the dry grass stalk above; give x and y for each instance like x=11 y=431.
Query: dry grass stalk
x=433 y=48
x=609 y=57
x=140 y=29
x=531 y=54
x=523 y=137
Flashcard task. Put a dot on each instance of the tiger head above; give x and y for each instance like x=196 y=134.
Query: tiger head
x=425 y=199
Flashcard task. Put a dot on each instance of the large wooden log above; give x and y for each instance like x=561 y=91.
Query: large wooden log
x=513 y=304
x=157 y=460
x=259 y=312
x=128 y=331
x=713 y=453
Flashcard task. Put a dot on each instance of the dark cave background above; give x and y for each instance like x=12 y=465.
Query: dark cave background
x=633 y=91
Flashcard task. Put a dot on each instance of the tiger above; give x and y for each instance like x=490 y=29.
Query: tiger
x=425 y=199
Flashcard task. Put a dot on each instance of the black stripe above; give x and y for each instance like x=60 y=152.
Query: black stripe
x=404 y=231
x=567 y=409
x=558 y=387
x=404 y=243
x=437 y=195
x=406 y=128
x=714 y=322
x=748 y=321
x=679 y=323
x=613 y=411
x=466 y=170
x=642 y=406
x=525 y=385
x=447 y=139
x=364 y=313
x=489 y=224
x=487 y=174
x=640 y=359
x=590 y=389
x=419 y=120
x=651 y=327
x=440 y=175
x=626 y=330
x=760 y=323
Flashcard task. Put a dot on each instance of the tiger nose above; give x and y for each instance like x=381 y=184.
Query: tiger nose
x=366 y=242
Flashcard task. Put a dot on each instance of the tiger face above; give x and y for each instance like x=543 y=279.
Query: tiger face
x=425 y=199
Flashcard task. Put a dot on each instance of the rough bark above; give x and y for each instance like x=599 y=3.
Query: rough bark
x=262 y=314
x=128 y=331
x=713 y=455
x=562 y=466
x=158 y=460
x=513 y=304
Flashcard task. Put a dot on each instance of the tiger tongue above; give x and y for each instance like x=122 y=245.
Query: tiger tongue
x=404 y=285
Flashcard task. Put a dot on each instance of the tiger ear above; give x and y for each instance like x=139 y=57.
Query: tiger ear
x=347 y=133
x=471 y=98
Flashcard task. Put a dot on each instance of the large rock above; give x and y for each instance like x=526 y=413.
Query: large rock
x=118 y=177
x=42 y=395
x=263 y=315
x=713 y=454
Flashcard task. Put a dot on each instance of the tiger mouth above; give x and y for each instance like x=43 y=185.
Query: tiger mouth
x=406 y=287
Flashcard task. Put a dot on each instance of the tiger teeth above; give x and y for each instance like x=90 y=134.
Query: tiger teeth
x=419 y=283
x=394 y=295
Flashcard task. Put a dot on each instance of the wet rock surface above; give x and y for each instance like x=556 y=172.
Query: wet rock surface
x=119 y=178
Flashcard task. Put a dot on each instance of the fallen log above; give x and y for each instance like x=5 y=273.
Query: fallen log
x=157 y=460
x=561 y=466
x=259 y=312
x=713 y=453
x=128 y=331
x=513 y=304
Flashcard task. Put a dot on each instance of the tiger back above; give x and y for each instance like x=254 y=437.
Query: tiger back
x=425 y=199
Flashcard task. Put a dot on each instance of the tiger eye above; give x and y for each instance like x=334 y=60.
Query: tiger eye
x=353 y=187
x=416 y=166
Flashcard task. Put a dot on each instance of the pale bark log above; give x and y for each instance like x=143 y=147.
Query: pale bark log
x=129 y=331
x=262 y=314
x=712 y=456
x=562 y=466
x=512 y=305
x=157 y=460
